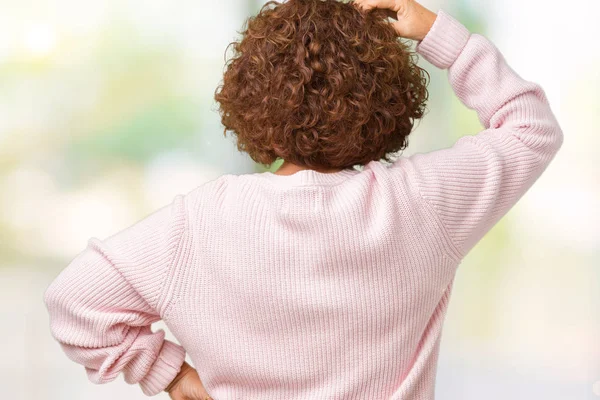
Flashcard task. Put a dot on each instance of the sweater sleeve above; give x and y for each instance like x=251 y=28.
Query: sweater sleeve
x=102 y=305
x=471 y=185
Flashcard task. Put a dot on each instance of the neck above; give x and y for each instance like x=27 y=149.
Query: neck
x=288 y=168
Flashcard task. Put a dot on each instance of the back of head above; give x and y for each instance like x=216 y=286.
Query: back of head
x=321 y=84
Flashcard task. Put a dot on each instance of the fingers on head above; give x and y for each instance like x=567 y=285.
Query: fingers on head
x=363 y=5
x=369 y=4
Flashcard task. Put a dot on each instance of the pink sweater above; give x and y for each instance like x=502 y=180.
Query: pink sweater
x=313 y=285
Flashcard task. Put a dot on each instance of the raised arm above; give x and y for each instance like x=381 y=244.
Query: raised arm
x=474 y=183
x=103 y=303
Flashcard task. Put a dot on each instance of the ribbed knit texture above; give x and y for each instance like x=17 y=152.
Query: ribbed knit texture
x=312 y=285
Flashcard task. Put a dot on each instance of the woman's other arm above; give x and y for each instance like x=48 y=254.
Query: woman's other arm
x=472 y=184
x=103 y=303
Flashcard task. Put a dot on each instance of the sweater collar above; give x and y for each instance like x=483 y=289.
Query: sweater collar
x=312 y=177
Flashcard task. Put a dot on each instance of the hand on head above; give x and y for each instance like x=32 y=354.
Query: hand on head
x=413 y=21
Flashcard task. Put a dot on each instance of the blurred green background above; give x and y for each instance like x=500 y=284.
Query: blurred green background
x=107 y=112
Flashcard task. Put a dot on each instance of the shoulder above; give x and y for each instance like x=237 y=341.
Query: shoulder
x=217 y=193
x=210 y=190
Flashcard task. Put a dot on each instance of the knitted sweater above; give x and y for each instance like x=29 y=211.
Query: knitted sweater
x=312 y=285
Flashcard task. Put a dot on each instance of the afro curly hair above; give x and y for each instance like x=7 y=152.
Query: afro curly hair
x=321 y=84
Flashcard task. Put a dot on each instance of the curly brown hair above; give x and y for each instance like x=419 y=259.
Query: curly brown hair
x=321 y=84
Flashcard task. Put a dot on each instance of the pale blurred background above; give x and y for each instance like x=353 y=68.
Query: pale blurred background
x=107 y=112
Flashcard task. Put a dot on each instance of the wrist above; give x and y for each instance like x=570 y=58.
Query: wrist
x=444 y=42
x=185 y=369
x=428 y=20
